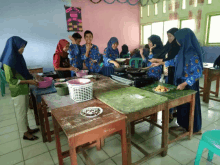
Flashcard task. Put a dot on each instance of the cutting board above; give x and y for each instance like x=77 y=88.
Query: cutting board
x=131 y=99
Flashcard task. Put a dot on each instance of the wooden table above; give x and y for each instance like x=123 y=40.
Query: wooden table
x=176 y=98
x=104 y=84
x=210 y=74
x=137 y=112
x=81 y=130
x=35 y=69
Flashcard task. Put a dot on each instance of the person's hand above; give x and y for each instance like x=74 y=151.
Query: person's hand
x=181 y=86
x=154 y=60
x=73 y=69
x=88 y=47
x=116 y=64
x=155 y=64
x=33 y=82
x=151 y=48
x=72 y=39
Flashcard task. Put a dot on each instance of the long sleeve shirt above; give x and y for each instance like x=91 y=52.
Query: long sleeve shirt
x=154 y=72
x=93 y=55
x=192 y=70
x=13 y=78
x=108 y=57
x=75 y=56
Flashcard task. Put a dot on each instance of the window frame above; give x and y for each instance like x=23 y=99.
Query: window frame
x=208 y=21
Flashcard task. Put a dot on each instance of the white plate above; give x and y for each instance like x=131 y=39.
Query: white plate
x=61 y=80
x=88 y=76
x=120 y=59
x=160 y=92
x=83 y=111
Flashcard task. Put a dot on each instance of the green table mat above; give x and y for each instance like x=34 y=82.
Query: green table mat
x=131 y=99
x=172 y=94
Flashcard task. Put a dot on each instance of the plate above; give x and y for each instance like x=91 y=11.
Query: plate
x=88 y=76
x=160 y=92
x=62 y=80
x=91 y=112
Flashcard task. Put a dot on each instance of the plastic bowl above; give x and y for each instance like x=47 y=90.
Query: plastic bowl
x=82 y=73
x=46 y=83
x=62 y=89
x=120 y=59
x=80 y=81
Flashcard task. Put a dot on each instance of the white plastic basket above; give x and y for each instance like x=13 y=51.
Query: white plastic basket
x=80 y=93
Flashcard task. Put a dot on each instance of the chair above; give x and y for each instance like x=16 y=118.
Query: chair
x=3 y=82
x=137 y=61
x=211 y=141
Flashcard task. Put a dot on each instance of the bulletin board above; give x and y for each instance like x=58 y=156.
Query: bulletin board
x=73 y=19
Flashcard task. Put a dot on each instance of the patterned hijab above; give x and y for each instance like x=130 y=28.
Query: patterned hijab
x=155 y=39
x=13 y=58
x=189 y=46
x=109 y=49
x=59 y=50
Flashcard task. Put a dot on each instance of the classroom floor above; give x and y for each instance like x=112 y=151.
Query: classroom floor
x=15 y=150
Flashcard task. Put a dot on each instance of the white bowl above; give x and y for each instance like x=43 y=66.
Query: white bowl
x=120 y=59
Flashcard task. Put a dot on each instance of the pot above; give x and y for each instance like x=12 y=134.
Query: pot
x=62 y=89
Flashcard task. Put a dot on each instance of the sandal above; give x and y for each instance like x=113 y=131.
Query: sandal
x=198 y=133
x=34 y=131
x=31 y=139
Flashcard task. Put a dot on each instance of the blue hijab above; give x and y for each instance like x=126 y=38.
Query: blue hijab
x=189 y=46
x=109 y=49
x=13 y=58
x=155 y=39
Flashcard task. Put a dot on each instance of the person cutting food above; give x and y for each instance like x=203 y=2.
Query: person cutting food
x=110 y=54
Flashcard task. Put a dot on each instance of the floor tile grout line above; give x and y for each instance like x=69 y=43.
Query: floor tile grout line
x=10 y=152
x=36 y=155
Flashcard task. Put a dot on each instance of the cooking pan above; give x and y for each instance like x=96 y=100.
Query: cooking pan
x=136 y=71
x=122 y=68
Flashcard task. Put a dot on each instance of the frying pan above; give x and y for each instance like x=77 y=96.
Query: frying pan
x=136 y=71
x=122 y=68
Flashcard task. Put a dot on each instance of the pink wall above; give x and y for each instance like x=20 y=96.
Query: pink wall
x=110 y=20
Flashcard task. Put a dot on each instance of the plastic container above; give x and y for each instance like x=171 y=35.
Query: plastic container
x=46 y=83
x=62 y=89
x=80 y=81
x=80 y=93
x=82 y=73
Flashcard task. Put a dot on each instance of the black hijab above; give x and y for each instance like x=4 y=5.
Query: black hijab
x=159 y=45
x=171 y=48
x=124 y=50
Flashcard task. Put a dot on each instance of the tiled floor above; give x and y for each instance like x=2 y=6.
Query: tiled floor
x=14 y=150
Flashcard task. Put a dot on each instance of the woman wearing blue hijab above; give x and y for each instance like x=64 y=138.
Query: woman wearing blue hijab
x=18 y=77
x=188 y=70
x=110 y=54
x=156 y=46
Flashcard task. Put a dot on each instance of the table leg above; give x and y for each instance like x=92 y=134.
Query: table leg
x=154 y=117
x=191 y=116
x=98 y=145
x=165 y=130
x=57 y=138
x=129 y=161
x=73 y=157
x=124 y=145
x=206 y=77
x=207 y=90
x=35 y=109
x=217 y=87
x=44 y=110
x=102 y=142
x=41 y=117
x=132 y=128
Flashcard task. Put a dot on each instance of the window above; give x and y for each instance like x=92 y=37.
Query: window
x=141 y=12
x=173 y=5
x=209 y=1
x=183 y=4
x=188 y=24
x=196 y=2
x=167 y=26
x=155 y=9
x=148 y=10
x=164 y=7
x=157 y=29
x=147 y=33
x=213 y=34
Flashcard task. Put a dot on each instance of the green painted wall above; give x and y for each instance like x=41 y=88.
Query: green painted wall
x=183 y=14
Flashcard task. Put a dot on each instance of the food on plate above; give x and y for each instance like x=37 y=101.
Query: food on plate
x=91 y=112
x=160 y=88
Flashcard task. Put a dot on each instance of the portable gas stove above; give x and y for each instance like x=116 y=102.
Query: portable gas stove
x=131 y=80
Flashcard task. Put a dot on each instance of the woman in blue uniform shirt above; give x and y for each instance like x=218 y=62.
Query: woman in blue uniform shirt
x=110 y=54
